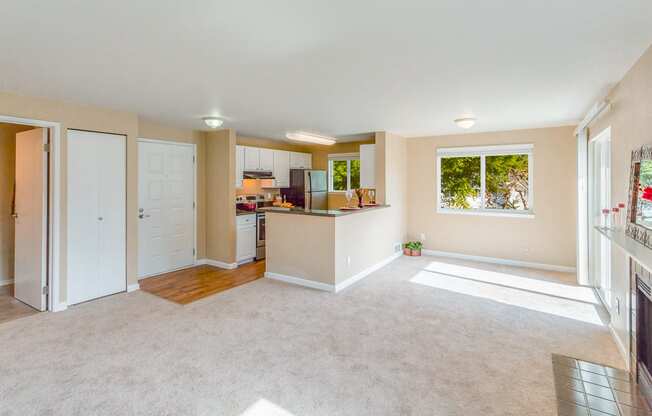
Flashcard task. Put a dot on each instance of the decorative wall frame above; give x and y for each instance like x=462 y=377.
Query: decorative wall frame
x=634 y=229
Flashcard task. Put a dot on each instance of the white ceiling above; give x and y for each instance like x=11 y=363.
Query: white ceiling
x=337 y=67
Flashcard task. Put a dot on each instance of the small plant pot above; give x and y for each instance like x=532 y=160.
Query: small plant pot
x=413 y=253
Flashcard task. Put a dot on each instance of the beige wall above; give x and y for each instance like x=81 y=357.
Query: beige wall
x=74 y=116
x=548 y=238
x=301 y=246
x=148 y=129
x=220 y=196
x=7 y=179
x=630 y=119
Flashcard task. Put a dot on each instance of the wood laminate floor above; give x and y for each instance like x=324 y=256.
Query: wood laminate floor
x=188 y=285
x=10 y=307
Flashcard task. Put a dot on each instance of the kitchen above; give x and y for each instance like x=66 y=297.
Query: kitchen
x=270 y=174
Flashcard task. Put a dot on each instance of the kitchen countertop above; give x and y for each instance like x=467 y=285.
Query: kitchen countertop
x=320 y=212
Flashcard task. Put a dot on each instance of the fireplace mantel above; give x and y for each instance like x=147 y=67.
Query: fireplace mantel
x=633 y=248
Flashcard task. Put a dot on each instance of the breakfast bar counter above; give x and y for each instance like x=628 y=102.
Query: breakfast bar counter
x=322 y=212
x=329 y=249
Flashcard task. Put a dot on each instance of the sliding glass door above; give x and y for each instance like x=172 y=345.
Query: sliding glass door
x=599 y=199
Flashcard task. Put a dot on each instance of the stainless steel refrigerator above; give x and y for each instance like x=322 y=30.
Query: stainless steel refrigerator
x=308 y=189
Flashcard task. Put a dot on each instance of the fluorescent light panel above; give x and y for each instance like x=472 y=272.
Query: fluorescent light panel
x=301 y=136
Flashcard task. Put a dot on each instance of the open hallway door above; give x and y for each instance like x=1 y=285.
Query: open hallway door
x=30 y=271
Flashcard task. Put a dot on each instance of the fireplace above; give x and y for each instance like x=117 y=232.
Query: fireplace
x=643 y=333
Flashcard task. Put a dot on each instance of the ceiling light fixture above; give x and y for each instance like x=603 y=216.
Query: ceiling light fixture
x=302 y=136
x=465 y=122
x=213 y=122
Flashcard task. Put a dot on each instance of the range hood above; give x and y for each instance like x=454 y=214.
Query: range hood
x=257 y=174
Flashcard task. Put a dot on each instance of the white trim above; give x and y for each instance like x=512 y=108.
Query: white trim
x=594 y=113
x=337 y=287
x=486 y=213
x=194 y=196
x=301 y=282
x=501 y=149
x=366 y=272
x=60 y=306
x=6 y=282
x=496 y=260
x=344 y=156
x=54 y=233
x=133 y=287
x=621 y=347
x=217 y=263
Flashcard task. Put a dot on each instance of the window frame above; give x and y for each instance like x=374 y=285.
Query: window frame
x=483 y=152
x=348 y=157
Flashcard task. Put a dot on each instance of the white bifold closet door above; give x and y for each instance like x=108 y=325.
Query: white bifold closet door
x=97 y=200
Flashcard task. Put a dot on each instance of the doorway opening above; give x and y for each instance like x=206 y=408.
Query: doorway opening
x=25 y=225
x=599 y=199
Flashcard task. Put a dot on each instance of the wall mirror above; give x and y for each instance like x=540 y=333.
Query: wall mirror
x=639 y=212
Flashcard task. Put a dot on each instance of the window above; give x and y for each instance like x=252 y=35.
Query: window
x=343 y=172
x=485 y=180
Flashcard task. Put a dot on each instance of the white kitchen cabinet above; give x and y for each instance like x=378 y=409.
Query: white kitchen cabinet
x=266 y=160
x=368 y=166
x=96 y=227
x=300 y=160
x=246 y=238
x=239 y=165
x=251 y=158
x=282 y=168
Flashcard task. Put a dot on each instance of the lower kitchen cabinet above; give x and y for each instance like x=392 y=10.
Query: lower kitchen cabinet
x=246 y=238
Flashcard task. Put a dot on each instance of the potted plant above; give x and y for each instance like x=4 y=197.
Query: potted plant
x=412 y=248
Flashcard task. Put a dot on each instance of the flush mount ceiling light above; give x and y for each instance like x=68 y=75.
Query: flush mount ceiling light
x=301 y=136
x=465 y=122
x=213 y=122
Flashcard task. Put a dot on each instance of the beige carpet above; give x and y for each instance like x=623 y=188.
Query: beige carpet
x=410 y=339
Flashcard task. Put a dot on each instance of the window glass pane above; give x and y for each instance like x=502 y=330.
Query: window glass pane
x=460 y=182
x=506 y=182
x=339 y=175
x=355 y=174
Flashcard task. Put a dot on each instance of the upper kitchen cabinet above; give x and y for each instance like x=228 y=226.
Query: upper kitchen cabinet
x=368 y=166
x=239 y=165
x=266 y=160
x=258 y=159
x=251 y=158
x=282 y=168
x=300 y=160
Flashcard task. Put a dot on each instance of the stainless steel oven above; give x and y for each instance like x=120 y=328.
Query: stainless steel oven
x=260 y=235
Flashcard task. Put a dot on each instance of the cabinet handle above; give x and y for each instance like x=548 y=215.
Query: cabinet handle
x=100 y=218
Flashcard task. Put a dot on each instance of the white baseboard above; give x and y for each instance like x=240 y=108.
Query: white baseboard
x=496 y=260
x=133 y=287
x=59 y=307
x=301 y=282
x=328 y=287
x=217 y=263
x=5 y=282
x=353 y=279
x=621 y=347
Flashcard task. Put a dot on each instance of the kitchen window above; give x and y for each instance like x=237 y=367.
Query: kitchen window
x=343 y=172
x=488 y=180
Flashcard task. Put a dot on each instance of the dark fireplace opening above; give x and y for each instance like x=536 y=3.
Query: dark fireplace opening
x=644 y=335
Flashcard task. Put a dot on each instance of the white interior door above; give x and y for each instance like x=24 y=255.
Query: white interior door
x=30 y=269
x=599 y=198
x=166 y=193
x=96 y=215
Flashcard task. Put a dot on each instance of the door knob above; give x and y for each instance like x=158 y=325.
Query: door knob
x=14 y=215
